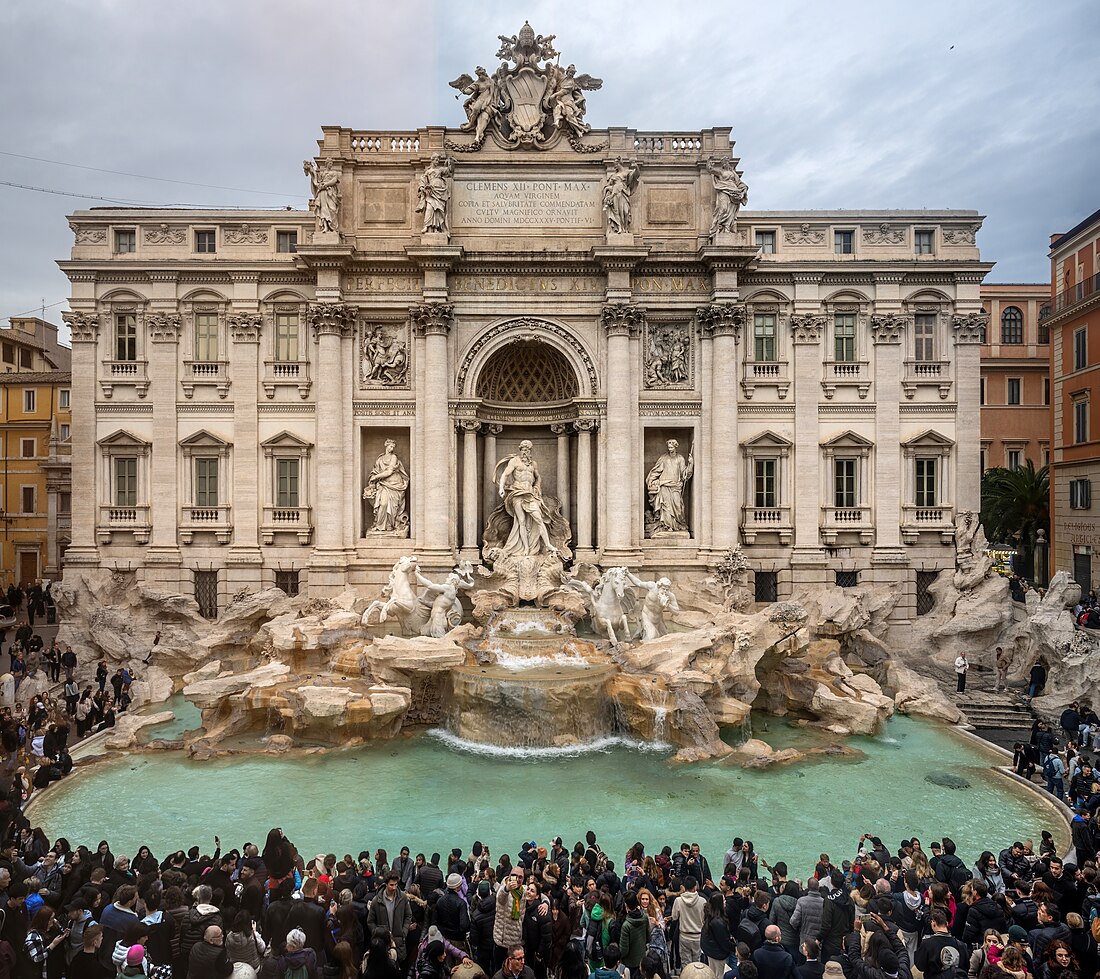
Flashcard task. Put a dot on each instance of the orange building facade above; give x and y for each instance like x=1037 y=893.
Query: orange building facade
x=1073 y=319
x=1015 y=385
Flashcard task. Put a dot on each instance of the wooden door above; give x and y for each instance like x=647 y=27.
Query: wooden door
x=28 y=567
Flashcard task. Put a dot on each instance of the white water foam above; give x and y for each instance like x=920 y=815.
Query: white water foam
x=510 y=661
x=603 y=744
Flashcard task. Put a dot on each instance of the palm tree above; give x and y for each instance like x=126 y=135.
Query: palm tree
x=1015 y=507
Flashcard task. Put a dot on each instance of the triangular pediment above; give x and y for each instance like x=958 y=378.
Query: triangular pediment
x=203 y=440
x=285 y=440
x=766 y=440
x=122 y=440
x=848 y=440
x=930 y=439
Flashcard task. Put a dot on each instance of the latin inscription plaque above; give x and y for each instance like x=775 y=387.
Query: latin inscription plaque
x=567 y=205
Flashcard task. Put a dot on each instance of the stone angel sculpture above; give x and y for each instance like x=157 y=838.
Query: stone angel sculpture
x=565 y=98
x=483 y=105
x=618 y=185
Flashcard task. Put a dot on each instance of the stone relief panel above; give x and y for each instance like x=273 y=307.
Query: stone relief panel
x=384 y=355
x=668 y=356
x=883 y=234
x=89 y=236
x=164 y=234
x=960 y=236
x=804 y=235
x=245 y=234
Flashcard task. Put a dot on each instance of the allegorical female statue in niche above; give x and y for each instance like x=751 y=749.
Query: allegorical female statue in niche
x=385 y=492
x=665 y=487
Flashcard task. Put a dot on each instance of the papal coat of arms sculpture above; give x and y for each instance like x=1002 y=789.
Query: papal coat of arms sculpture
x=530 y=101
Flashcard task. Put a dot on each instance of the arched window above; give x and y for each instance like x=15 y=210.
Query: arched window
x=1012 y=325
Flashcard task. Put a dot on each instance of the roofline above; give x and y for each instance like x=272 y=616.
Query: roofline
x=1066 y=236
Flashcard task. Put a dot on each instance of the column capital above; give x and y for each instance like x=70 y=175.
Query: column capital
x=468 y=425
x=622 y=319
x=586 y=424
x=245 y=327
x=84 y=326
x=431 y=318
x=888 y=327
x=970 y=327
x=721 y=319
x=164 y=327
x=807 y=327
x=332 y=319
x=561 y=428
x=493 y=430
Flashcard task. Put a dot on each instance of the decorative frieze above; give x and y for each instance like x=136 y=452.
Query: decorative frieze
x=89 y=236
x=883 y=234
x=651 y=409
x=805 y=234
x=622 y=319
x=432 y=318
x=668 y=356
x=336 y=319
x=384 y=355
x=245 y=234
x=960 y=236
x=164 y=234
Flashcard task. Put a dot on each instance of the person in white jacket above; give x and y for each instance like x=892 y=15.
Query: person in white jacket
x=962 y=664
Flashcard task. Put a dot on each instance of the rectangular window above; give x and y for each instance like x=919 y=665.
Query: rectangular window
x=206 y=336
x=206 y=482
x=65 y=502
x=1080 y=348
x=766 y=586
x=1080 y=494
x=286 y=242
x=1014 y=458
x=9 y=352
x=981 y=391
x=126 y=481
x=126 y=336
x=205 y=242
x=30 y=400
x=763 y=331
x=765 y=241
x=981 y=460
x=28 y=500
x=847 y=579
x=924 y=337
x=287 y=581
x=125 y=242
x=26 y=448
x=844 y=472
x=206 y=593
x=926 y=482
x=286 y=338
x=1044 y=331
x=66 y=432
x=1080 y=421
x=844 y=336
x=844 y=242
x=925 y=598
x=1014 y=391
x=63 y=398
x=26 y=358
x=286 y=478
x=1046 y=390
x=924 y=242
x=765 y=486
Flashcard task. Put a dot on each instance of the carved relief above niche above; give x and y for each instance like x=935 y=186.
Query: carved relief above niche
x=668 y=356
x=384 y=355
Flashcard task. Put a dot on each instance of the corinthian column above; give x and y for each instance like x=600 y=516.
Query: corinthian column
x=82 y=552
x=432 y=321
x=969 y=330
x=561 y=430
x=620 y=321
x=583 y=549
x=469 y=427
x=331 y=322
x=721 y=322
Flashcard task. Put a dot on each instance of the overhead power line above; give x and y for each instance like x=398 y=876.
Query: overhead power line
x=145 y=176
x=122 y=202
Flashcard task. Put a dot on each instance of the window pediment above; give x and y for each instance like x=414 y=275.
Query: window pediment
x=930 y=439
x=122 y=440
x=287 y=442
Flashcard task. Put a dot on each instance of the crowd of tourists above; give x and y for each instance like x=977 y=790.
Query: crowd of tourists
x=549 y=912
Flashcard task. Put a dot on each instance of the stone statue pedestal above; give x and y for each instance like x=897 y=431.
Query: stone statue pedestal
x=399 y=533
x=670 y=535
x=620 y=238
x=435 y=238
x=729 y=238
x=326 y=238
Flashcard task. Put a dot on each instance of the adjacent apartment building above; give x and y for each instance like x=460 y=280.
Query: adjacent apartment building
x=1073 y=320
x=1015 y=391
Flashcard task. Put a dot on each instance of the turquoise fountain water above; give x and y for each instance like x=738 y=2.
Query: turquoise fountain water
x=433 y=792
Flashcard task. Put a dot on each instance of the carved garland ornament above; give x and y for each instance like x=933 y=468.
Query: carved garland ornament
x=883 y=235
x=807 y=327
x=970 y=327
x=89 y=236
x=163 y=234
x=805 y=235
x=534 y=327
x=960 y=236
x=245 y=234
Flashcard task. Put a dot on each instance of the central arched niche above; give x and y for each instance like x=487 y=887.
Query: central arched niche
x=527 y=371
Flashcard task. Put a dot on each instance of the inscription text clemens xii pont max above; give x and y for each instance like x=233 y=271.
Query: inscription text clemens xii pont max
x=565 y=204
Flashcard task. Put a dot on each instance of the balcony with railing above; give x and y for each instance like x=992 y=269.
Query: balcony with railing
x=287 y=520
x=124 y=519
x=1079 y=292
x=926 y=373
x=211 y=373
x=124 y=373
x=846 y=373
x=836 y=520
x=766 y=520
x=916 y=520
x=766 y=373
x=284 y=373
x=216 y=520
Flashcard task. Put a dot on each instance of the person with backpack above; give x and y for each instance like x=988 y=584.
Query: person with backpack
x=1054 y=770
x=838 y=914
x=300 y=961
x=940 y=955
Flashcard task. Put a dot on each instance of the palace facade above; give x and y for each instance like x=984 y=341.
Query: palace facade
x=237 y=375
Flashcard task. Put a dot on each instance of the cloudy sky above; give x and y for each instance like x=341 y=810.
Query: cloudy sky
x=986 y=105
